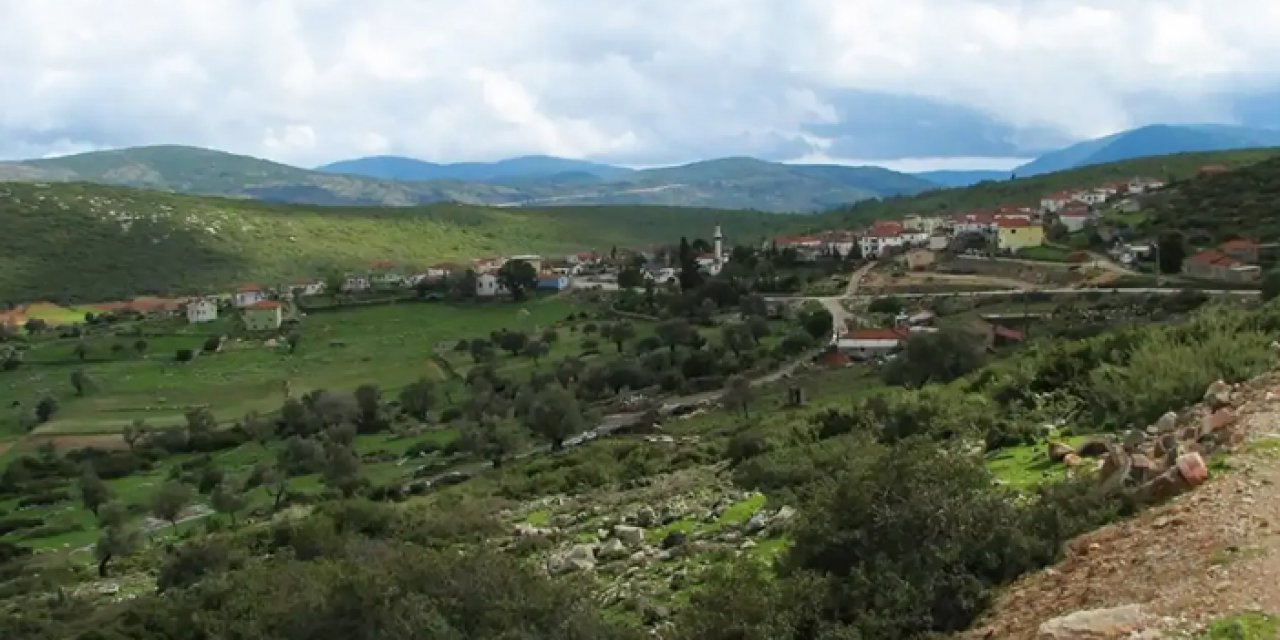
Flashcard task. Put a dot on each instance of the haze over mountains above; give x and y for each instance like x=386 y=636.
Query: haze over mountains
x=728 y=183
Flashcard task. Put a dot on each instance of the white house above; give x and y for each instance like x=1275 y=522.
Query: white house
x=1074 y=220
x=487 y=286
x=534 y=261
x=863 y=344
x=248 y=295
x=202 y=310
x=973 y=223
x=939 y=240
x=915 y=237
x=356 y=283
x=1094 y=197
x=927 y=224
x=877 y=242
x=1143 y=185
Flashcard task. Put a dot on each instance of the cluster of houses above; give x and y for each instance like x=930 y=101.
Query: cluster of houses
x=1008 y=229
x=872 y=343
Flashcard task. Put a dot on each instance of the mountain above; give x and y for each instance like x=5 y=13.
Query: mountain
x=76 y=241
x=1028 y=190
x=734 y=183
x=1154 y=140
x=961 y=178
x=523 y=168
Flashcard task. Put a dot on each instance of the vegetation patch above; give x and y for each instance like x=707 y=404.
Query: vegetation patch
x=1243 y=626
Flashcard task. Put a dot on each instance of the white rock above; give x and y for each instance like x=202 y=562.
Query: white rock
x=1167 y=422
x=613 y=549
x=633 y=537
x=1095 y=624
x=579 y=557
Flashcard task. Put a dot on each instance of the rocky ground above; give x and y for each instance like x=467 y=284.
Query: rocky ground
x=1210 y=555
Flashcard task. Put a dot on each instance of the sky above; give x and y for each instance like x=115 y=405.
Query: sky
x=919 y=83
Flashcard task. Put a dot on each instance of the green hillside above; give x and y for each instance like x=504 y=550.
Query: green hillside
x=1028 y=191
x=79 y=242
x=1213 y=208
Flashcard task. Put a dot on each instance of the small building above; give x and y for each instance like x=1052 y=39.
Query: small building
x=533 y=260
x=939 y=241
x=1241 y=249
x=202 y=310
x=880 y=241
x=926 y=224
x=249 y=294
x=1143 y=185
x=356 y=283
x=553 y=282
x=488 y=286
x=918 y=259
x=1013 y=234
x=1074 y=219
x=864 y=344
x=265 y=315
x=1216 y=265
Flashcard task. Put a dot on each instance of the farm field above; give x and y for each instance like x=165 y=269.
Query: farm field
x=389 y=346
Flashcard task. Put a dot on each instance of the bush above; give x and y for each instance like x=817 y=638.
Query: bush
x=795 y=344
x=362 y=517
x=184 y=355
x=186 y=565
x=9 y=525
x=746 y=444
x=890 y=305
x=211 y=344
x=48 y=497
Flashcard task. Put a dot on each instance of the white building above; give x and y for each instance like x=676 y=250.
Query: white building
x=864 y=344
x=1143 y=185
x=1074 y=220
x=878 y=242
x=1094 y=197
x=534 y=261
x=914 y=237
x=487 y=286
x=939 y=241
x=927 y=224
x=248 y=295
x=202 y=310
x=356 y=283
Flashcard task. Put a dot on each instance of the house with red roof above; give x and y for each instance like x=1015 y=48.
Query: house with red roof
x=1242 y=249
x=1213 y=264
x=1074 y=218
x=264 y=315
x=864 y=344
x=249 y=293
x=975 y=222
x=1016 y=233
x=880 y=240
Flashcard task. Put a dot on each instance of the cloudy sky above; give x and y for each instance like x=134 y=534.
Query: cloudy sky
x=640 y=82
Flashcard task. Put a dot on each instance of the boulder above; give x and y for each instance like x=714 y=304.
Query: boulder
x=1167 y=422
x=785 y=513
x=579 y=557
x=1161 y=488
x=1218 y=395
x=1142 y=468
x=673 y=540
x=1219 y=420
x=1059 y=450
x=757 y=522
x=1115 y=468
x=529 y=531
x=1134 y=440
x=645 y=516
x=1093 y=449
x=633 y=537
x=1072 y=461
x=1164 y=445
x=1192 y=468
x=612 y=549
x=1095 y=624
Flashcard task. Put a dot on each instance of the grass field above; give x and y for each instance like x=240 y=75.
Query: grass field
x=1046 y=253
x=389 y=346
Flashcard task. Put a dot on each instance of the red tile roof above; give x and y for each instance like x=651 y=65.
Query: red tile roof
x=875 y=334
x=1216 y=258
x=249 y=287
x=1239 y=244
x=264 y=305
x=1010 y=334
x=1012 y=223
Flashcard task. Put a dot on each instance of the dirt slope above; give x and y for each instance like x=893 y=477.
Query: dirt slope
x=1206 y=554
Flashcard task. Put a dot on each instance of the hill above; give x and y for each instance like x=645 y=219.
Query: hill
x=738 y=183
x=1028 y=191
x=961 y=178
x=1213 y=208
x=523 y=168
x=1154 y=140
x=81 y=242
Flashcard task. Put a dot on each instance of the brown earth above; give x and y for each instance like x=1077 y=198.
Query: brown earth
x=1212 y=552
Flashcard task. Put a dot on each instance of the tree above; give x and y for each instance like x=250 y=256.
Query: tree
x=212 y=343
x=737 y=394
x=35 y=325
x=759 y=328
x=293 y=339
x=342 y=470
x=630 y=278
x=935 y=357
x=737 y=337
x=93 y=491
x=227 y=498
x=417 y=398
x=1171 y=250
x=258 y=428
x=368 y=409
x=512 y=341
x=81 y=351
x=1057 y=231
x=1271 y=284
x=518 y=277
x=81 y=382
x=889 y=304
x=568 y=370
x=619 y=333
x=116 y=540
x=555 y=415
x=690 y=275
x=167 y=504
x=493 y=440
x=133 y=433
x=818 y=323
x=481 y=350
x=140 y=346
x=333 y=282
x=675 y=333
x=45 y=409
x=534 y=350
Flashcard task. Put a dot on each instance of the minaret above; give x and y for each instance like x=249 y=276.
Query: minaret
x=719 y=245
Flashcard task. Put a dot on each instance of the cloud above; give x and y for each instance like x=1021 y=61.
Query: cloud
x=636 y=81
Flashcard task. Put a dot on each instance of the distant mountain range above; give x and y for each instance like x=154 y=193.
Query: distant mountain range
x=729 y=183
x=1154 y=140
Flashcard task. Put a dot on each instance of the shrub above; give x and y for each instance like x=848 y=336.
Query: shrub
x=184 y=355
x=48 y=497
x=211 y=344
x=746 y=444
x=11 y=524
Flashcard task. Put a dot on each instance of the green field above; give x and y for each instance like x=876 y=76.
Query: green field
x=1047 y=253
x=389 y=346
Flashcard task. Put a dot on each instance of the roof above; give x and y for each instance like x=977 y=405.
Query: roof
x=1239 y=244
x=1073 y=213
x=875 y=334
x=250 y=287
x=264 y=305
x=884 y=233
x=1010 y=334
x=1012 y=223
x=1213 y=257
